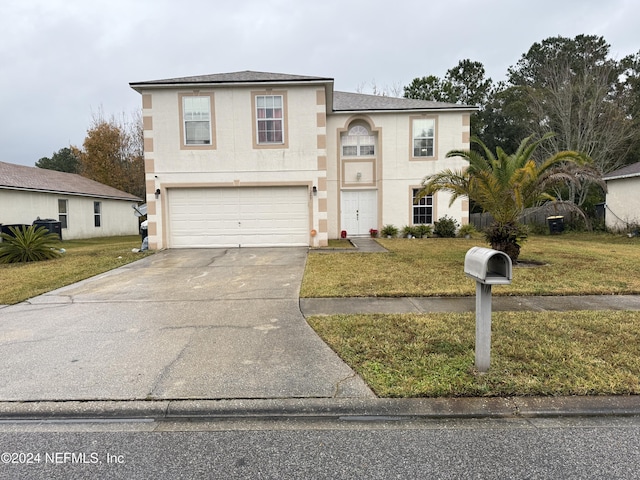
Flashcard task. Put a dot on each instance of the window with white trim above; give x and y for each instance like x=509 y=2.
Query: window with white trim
x=269 y=119
x=196 y=112
x=63 y=212
x=422 y=209
x=423 y=136
x=97 y=214
x=358 y=142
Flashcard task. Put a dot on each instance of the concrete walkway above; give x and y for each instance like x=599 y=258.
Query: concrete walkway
x=367 y=245
x=360 y=245
x=331 y=306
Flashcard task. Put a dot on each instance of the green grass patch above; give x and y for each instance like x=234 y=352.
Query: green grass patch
x=82 y=259
x=340 y=243
x=551 y=353
x=572 y=264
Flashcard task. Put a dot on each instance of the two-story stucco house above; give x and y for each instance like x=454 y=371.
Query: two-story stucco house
x=263 y=159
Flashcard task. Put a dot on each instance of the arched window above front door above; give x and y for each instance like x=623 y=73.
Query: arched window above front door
x=358 y=142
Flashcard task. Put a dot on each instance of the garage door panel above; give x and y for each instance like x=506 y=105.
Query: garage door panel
x=226 y=217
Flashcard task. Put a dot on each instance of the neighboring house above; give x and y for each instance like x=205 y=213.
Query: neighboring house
x=261 y=159
x=623 y=197
x=84 y=208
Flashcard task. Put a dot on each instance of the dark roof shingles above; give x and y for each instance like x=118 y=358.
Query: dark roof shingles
x=246 y=76
x=38 y=179
x=632 y=170
x=344 y=101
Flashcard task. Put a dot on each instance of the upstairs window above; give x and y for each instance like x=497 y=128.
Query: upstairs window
x=423 y=137
x=358 y=142
x=196 y=120
x=423 y=209
x=270 y=119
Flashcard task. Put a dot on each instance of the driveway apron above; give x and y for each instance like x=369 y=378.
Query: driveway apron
x=179 y=324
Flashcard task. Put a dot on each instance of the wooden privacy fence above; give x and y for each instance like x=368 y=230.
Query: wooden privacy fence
x=531 y=216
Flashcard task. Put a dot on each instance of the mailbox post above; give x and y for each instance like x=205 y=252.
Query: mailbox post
x=487 y=267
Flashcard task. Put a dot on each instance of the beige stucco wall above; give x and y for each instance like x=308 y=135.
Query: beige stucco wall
x=311 y=156
x=23 y=207
x=396 y=172
x=623 y=203
x=235 y=160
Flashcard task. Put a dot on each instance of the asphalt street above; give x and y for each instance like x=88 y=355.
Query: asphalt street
x=349 y=448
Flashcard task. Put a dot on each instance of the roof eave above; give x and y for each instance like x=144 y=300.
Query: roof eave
x=409 y=110
x=619 y=177
x=139 y=86
x=76 y=194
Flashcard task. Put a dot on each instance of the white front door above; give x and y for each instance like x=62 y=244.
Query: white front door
x=359 y=211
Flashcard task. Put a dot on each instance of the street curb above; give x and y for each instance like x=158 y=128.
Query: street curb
x=349 y=408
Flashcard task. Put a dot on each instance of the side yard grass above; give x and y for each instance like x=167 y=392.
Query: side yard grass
x=533 y=353
x=82 y=259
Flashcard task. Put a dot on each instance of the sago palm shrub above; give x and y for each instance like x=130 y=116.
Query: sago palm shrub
x=30 y=244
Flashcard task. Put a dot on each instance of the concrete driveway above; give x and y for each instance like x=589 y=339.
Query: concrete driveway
x=180 y=324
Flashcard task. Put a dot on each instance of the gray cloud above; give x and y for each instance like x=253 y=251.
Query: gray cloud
x=61 y=60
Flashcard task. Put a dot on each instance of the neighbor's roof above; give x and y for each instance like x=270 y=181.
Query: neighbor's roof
x=632 y=170
x=341 y=101
x=20 y=177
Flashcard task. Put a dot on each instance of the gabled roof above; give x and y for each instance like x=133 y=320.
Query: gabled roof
x=340 y=101
x=632 y=170
x=20 y=177
x=343 y=102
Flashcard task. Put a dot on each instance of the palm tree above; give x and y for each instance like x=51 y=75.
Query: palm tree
x=504 y=185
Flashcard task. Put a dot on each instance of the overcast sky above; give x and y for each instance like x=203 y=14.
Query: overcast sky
x=63 y=60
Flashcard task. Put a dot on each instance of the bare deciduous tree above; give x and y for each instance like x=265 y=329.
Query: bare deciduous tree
x=571 y=88
x=394 y=90
x=113 y=152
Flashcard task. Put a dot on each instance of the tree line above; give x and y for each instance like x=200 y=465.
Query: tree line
x=570 y=87
x=112 y=153
x=567 y=114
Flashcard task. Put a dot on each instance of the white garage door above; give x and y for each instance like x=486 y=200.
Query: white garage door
x=232 y=217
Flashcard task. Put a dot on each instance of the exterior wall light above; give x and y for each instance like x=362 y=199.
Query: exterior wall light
x=157 y=192
x=315 y=190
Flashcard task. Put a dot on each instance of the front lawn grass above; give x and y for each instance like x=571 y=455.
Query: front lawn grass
x=572 y=264
x=82 y=259
x=533 y=353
